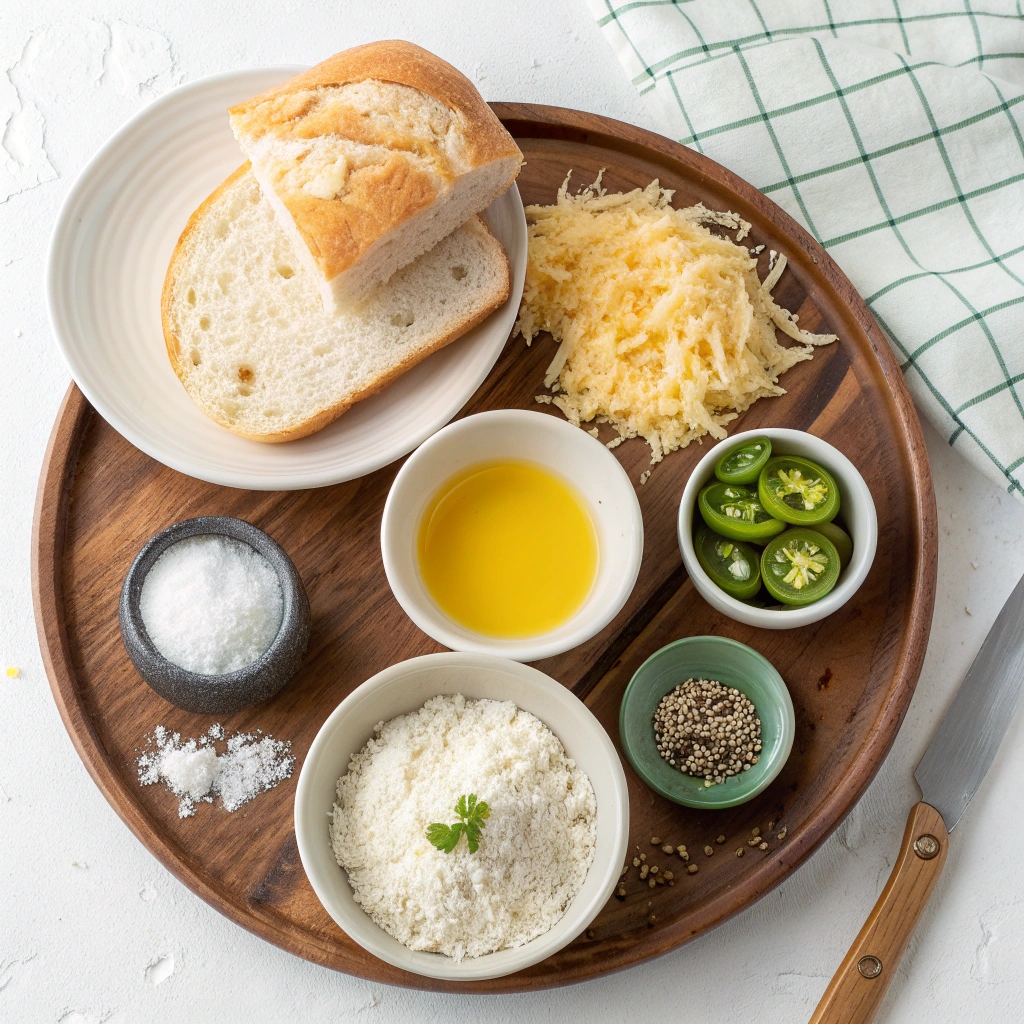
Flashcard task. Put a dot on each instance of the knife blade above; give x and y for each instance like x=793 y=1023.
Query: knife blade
x=955 y=762
x=965 y=743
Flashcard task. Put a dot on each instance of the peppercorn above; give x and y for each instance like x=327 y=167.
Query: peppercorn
x=707 y=730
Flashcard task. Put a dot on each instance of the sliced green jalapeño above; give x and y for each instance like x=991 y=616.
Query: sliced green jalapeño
x=841 y=539
x=798 y=491
x=799 y=567
x=743 y=465
x=732 y=566
x=736 y=512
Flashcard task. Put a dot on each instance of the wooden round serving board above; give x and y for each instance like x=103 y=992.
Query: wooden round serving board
x=851 y=676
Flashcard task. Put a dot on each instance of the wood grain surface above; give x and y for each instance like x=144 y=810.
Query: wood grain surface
x=851 y=676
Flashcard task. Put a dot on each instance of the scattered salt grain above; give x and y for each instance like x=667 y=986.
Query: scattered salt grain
x=195 y=773
x=251 y=766
x=211 y=604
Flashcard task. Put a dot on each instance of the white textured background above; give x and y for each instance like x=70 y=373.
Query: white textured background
x=92 y=929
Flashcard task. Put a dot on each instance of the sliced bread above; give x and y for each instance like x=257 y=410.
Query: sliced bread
x=372 y=157
x=249 y=338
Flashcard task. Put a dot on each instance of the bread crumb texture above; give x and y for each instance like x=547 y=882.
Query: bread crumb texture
x=252 y=344
x=664 y=329
x=535 y=851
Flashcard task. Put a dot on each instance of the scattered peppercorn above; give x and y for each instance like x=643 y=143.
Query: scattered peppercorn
x=740 y=852
x=692 y=869
x=708 y=851
x=720 y=840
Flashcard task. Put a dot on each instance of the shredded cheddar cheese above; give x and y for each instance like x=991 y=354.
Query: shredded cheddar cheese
x=664 y=329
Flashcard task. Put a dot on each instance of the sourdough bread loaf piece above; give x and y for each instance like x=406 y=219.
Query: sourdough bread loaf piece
x=372 y=157
x=249 y=338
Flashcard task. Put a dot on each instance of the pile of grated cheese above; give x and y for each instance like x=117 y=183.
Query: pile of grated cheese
x=665 y=330
x=535 y=850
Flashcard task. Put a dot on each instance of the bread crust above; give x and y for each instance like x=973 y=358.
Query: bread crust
x=376 y=200
x=322 y=417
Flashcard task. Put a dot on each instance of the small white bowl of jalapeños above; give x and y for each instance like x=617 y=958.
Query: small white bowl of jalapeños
x=814 y=578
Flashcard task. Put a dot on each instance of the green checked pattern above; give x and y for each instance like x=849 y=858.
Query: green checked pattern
x=893 y=130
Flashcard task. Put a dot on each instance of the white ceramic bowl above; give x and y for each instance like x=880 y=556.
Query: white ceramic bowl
x=547 y=441
x=857 y=510
x=108 y=256
x=403 y=688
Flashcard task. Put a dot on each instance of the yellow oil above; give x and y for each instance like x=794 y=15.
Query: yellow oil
x=507 y=549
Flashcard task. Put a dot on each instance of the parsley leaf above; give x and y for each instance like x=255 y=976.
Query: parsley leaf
x=474 y=815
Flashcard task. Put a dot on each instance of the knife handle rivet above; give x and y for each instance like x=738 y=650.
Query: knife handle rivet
x=926 y=846
x=869 y=966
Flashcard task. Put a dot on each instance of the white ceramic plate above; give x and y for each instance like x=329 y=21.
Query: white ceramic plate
x=108 y=256
x=403 y=688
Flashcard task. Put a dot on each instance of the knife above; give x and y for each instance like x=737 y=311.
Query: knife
x=957 y=759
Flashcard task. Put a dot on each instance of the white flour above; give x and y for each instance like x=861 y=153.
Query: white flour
x=535 y=850
x=195 y=773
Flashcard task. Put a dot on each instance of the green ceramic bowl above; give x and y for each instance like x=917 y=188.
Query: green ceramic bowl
x=728 y=662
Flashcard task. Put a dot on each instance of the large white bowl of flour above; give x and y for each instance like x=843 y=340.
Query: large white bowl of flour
x=404 y=688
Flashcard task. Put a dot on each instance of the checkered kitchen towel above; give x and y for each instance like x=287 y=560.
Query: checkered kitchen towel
x=894 y=131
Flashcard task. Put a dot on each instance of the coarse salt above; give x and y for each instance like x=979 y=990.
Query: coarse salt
x=211 y=604
x=195 y=773
x=536 y=847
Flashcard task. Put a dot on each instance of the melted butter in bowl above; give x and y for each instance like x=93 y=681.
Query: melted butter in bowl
x=508 y=549
x=512 y=533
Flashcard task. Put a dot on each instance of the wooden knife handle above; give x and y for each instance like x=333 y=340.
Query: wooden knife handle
x=859 y=986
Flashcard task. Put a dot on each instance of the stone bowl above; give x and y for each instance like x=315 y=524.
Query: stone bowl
x=217 y=694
